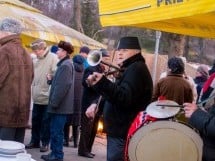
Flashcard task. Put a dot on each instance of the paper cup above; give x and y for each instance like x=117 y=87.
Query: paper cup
x=23 y=157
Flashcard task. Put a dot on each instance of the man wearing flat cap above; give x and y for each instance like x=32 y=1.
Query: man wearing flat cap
x=124 y=99
x=61 y=100
x=44 y=64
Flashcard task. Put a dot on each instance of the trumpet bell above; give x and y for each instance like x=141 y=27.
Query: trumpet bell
x=94 y=57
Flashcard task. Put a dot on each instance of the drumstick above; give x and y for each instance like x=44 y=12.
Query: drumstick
x=199 y=104
x=181 y=106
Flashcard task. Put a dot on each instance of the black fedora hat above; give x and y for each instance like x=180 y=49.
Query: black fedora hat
x=128 y=43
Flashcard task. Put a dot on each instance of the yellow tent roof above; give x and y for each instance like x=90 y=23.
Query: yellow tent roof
x=37 y=25
x=188 y=17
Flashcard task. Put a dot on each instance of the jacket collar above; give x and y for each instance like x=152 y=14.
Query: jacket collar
x=62 y=60
x=44 y=54
x=137 y=57
x=4 y=40
x=175 y=75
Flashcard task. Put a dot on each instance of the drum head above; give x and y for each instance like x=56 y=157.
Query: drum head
x=165 y=141
x=162 y=112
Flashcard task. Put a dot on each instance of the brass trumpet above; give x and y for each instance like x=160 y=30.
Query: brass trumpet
x=95 y=57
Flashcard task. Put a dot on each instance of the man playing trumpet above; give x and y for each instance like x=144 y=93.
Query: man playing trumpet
x=130 y=94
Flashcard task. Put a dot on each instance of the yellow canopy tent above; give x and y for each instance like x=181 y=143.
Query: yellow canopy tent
x=36 y=25
x=188 y=17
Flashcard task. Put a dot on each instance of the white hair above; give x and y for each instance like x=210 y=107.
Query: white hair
x=10 y=25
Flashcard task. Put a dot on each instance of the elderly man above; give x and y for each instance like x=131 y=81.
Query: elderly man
x=61 y=100
x=15 y=82
x=130 y=94
x=45 y=63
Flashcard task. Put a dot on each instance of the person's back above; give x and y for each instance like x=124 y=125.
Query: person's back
x=187 y=77
x=15 y=81
x=174 y=87
x=74 y=119
x=78 y=88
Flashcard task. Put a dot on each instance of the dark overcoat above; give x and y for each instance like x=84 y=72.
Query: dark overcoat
x=89 y=94
x=205 y=122
x=16 y=75
x=75 y=118
x=61 y=96
x=130 y=94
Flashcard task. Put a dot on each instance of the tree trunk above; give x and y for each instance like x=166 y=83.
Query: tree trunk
x=176 y=45
x=201 y=49
x=77 y=15
x=186 y=46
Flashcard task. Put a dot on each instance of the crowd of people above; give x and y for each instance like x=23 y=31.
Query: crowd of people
x=69 y=92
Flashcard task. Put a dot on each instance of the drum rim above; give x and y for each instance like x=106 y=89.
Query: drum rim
x=151 y=108
x=142 y=131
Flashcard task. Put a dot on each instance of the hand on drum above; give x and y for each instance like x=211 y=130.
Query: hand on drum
x=94 y=78
x=189 y=108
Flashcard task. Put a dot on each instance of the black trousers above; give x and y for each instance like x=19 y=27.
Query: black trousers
x=40 y=125
x=88 y=133
x=75 y=133
x=13 y=134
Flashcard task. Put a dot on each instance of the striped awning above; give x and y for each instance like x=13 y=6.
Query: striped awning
x=37 y=25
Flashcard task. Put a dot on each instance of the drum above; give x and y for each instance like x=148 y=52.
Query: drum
x=156 y=134
x=165 y=141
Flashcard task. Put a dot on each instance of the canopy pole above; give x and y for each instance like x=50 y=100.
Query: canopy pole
x=158 y=36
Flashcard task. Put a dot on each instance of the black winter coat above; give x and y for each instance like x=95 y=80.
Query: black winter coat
x=75 y=118
x=205 y=123
x=130 y=94
x=90 y=95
